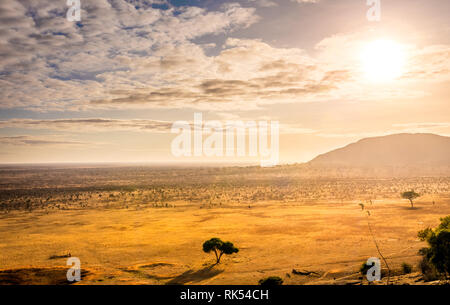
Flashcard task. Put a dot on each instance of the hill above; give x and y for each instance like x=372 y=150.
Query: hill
x=398 y=150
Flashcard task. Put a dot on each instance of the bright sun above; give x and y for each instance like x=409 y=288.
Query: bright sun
x=383 y=60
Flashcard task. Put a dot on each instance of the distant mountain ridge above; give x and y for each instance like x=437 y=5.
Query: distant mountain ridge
x=397 y=150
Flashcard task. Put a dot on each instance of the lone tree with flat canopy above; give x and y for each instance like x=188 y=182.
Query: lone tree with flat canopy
x=411 y=195
x=219 y=247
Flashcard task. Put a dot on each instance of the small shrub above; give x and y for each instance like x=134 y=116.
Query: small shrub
x=364 y=268
x=406 y=268
x=428 y=271
x=271 y=281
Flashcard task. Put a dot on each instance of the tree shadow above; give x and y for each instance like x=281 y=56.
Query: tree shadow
x=411 y=209
x=195 y=276
x=37 y=276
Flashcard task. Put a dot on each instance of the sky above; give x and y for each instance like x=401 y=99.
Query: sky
x=108 y=88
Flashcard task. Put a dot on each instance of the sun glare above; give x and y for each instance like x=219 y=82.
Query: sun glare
x=383 y=60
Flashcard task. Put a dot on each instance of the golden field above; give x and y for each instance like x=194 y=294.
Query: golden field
x=150 y=235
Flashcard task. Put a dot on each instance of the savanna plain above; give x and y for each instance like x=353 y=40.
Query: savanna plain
x=146 y=225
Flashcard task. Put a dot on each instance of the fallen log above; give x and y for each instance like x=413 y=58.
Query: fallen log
x=306 y=272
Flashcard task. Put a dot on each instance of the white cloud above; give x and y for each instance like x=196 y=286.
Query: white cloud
x=123 y=57
x=37 y=141
x=305 y=1
x=264 y=3
x=88 y=125
x=50 y=63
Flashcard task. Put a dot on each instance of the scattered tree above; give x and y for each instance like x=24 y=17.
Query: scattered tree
x=411 y=195
x=219 y=247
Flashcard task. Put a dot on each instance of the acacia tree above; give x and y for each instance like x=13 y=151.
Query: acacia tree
x=411 y=195
x=219 y=247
